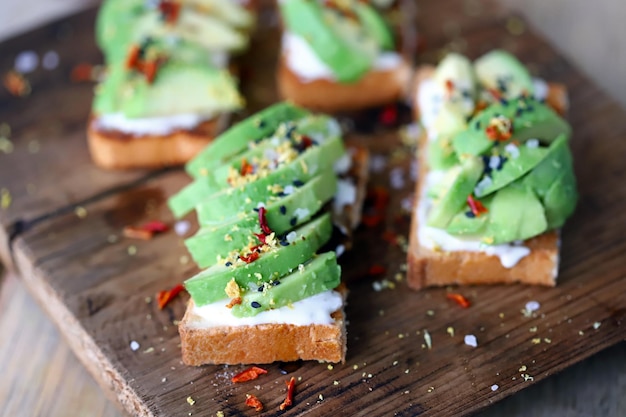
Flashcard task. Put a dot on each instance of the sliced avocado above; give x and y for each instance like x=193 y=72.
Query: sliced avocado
x=450 y=120
x=460 y=183
x=114 y=24
x=237 y=139
x=208 y=286
x=338 y=41
x=455 y=75
x=528 y=117
x=441 y=154
x=510 y=163
x=515 y=214
x=465 y=223
x=502 y=71
x=375 y=24
x=319 y=275
x=220 y=238
x=232 y=12
x=560 y=200
x=557 y=161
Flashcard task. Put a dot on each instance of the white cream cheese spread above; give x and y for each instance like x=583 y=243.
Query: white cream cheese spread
x=159 y=126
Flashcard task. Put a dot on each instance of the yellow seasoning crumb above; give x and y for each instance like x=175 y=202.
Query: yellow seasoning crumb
x=132 y=250
x=522 y=368
x=190 y=401
x=547 y=340
x=533 y=329
x=536 y=340
x=6 y=146
x=5 y=198
x=232 y=289
x=431 y=389
x=219 y=414
x=430 y=313
x=335 y=382
x=81 y=212
x=515 y=26
x=450 y=331
x=355 y=367
x=321 y=397
x=501 y=315
x=580 y=333
x=330 y=367
x=184 y=260
x=228 y=238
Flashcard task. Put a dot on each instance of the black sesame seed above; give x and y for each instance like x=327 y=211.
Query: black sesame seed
x=530 y=108
x=298 y=183
x=470 y=214
x=256 y=209
x=283 y=210
x=293 y=221
x=284 y=243
x=503 y=159
x=477 y=125
x=255 y=304
x=281 y=194
x=260 y=289
x=275 y=283
x=486 y=164
x=466 y=94
x=229 y=264
x=504 y=101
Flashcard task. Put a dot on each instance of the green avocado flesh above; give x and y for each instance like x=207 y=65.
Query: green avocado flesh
x=238 y=138
x=456 y=74
x=513 y=157
x=245 y=197
x=319 y=275
x=346 y=45
x=499 y=70
x=375 y=24
x=208 y=286
x=219 y=239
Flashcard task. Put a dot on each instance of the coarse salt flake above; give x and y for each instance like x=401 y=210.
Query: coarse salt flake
x=182 y=227
x=532 y=306
x=26 y=62
x=291 y=237
x=470 y=340
x=532 y=143
x=396 y=178
x=596 y=325
x=301 y=213
x=513 y=150
x=428 y=339
x=50 y=60
x=378 y=163
x=495 y=387
x=134 y=346
x=339 y=250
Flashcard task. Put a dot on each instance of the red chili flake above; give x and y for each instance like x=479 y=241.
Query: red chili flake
x=291 y=387
x=263 y=221
x=133 y=232
x=135 y=61
x=476 y=206
x=495 y=93
x=249 y=258
x=306 y=142
x=376 y=270
x=449 y=87
x=260 y=236
x=377 y=200
x=170 y=10
x=156 y=226
x=389 y=115
x=371 y=220
x=165 y=296
x=459 y=299
x=390 y=237
x=82 y=72
x=254 y=402
x=249 y=374
x=235 y=301
x=16 y=84
x=246 y=168
x=134 y=56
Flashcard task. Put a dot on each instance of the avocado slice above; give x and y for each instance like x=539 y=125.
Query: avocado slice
x=282 y=215
x=441 y=154
x=529 y=119
x=238 y=138
x=465 y=223
x=515 y=214
x=557 y=161
x=319 y=275
x=459 y=183
x=375 y=24
x=113 y=24
x=340 y=42
x=208 y=286
x=508 y=164
x=455 y=75
x=560 y=200
x=501 y=71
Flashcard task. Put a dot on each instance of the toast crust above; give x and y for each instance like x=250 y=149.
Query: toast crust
x=428 y=267
x=113 y=149
x=264 y=343
x=375 y=88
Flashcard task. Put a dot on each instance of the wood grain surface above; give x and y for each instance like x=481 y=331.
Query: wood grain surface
x=97 y=292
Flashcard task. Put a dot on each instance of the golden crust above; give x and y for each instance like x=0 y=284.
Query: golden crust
x=264 y=343
x=428 y=267
x=113 y=149
x=376 y=88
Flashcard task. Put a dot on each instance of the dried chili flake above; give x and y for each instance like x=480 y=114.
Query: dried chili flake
x=459 y=299
x=81 y=73
x=246 y=168
x=170 y=10
x=134 y=57
x=133 y=232
x=449 y=87
x=291 y=387
x=149 y=68
x=249 y=258
x=249 y=374
x=476 y=206
x=165 y=296
x=16 y=84
x=389 y=115
x=254 y=402
x=495 y=93
x=391 y=237
x=263 y=221
x=376 y=270
x=235 y=301
x=156 y=226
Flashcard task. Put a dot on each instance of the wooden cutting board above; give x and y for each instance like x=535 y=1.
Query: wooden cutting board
x=62 y=232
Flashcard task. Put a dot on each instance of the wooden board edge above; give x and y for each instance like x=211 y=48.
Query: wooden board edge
x=113 y=385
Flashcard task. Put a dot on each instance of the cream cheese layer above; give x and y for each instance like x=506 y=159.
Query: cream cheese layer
x=158 y=126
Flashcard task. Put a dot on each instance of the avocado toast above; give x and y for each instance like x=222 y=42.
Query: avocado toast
x=267 y=292
x=338 y=55
x=168 y=88
x=496 y=177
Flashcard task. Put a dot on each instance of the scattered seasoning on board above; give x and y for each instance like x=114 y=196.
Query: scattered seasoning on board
x=146 y=231
x=249 y=374
x=291 y=386
x=254 y=402
x=459 y=299
x=190 y=401
x=165 y=296
x=16 y=84
x=5 y=199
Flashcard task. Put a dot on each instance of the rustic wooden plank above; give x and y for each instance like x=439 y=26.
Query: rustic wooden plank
x=49 y=168
x=95 y=291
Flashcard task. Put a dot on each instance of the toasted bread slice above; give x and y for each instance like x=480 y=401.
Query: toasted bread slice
x=113 y=149
x=263 y=343
x=376 y=88
x=428 y=267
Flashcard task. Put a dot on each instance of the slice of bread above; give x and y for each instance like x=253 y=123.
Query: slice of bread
x=428 y=267
x=376 y=88
x=264 y=343
x=114 y=149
